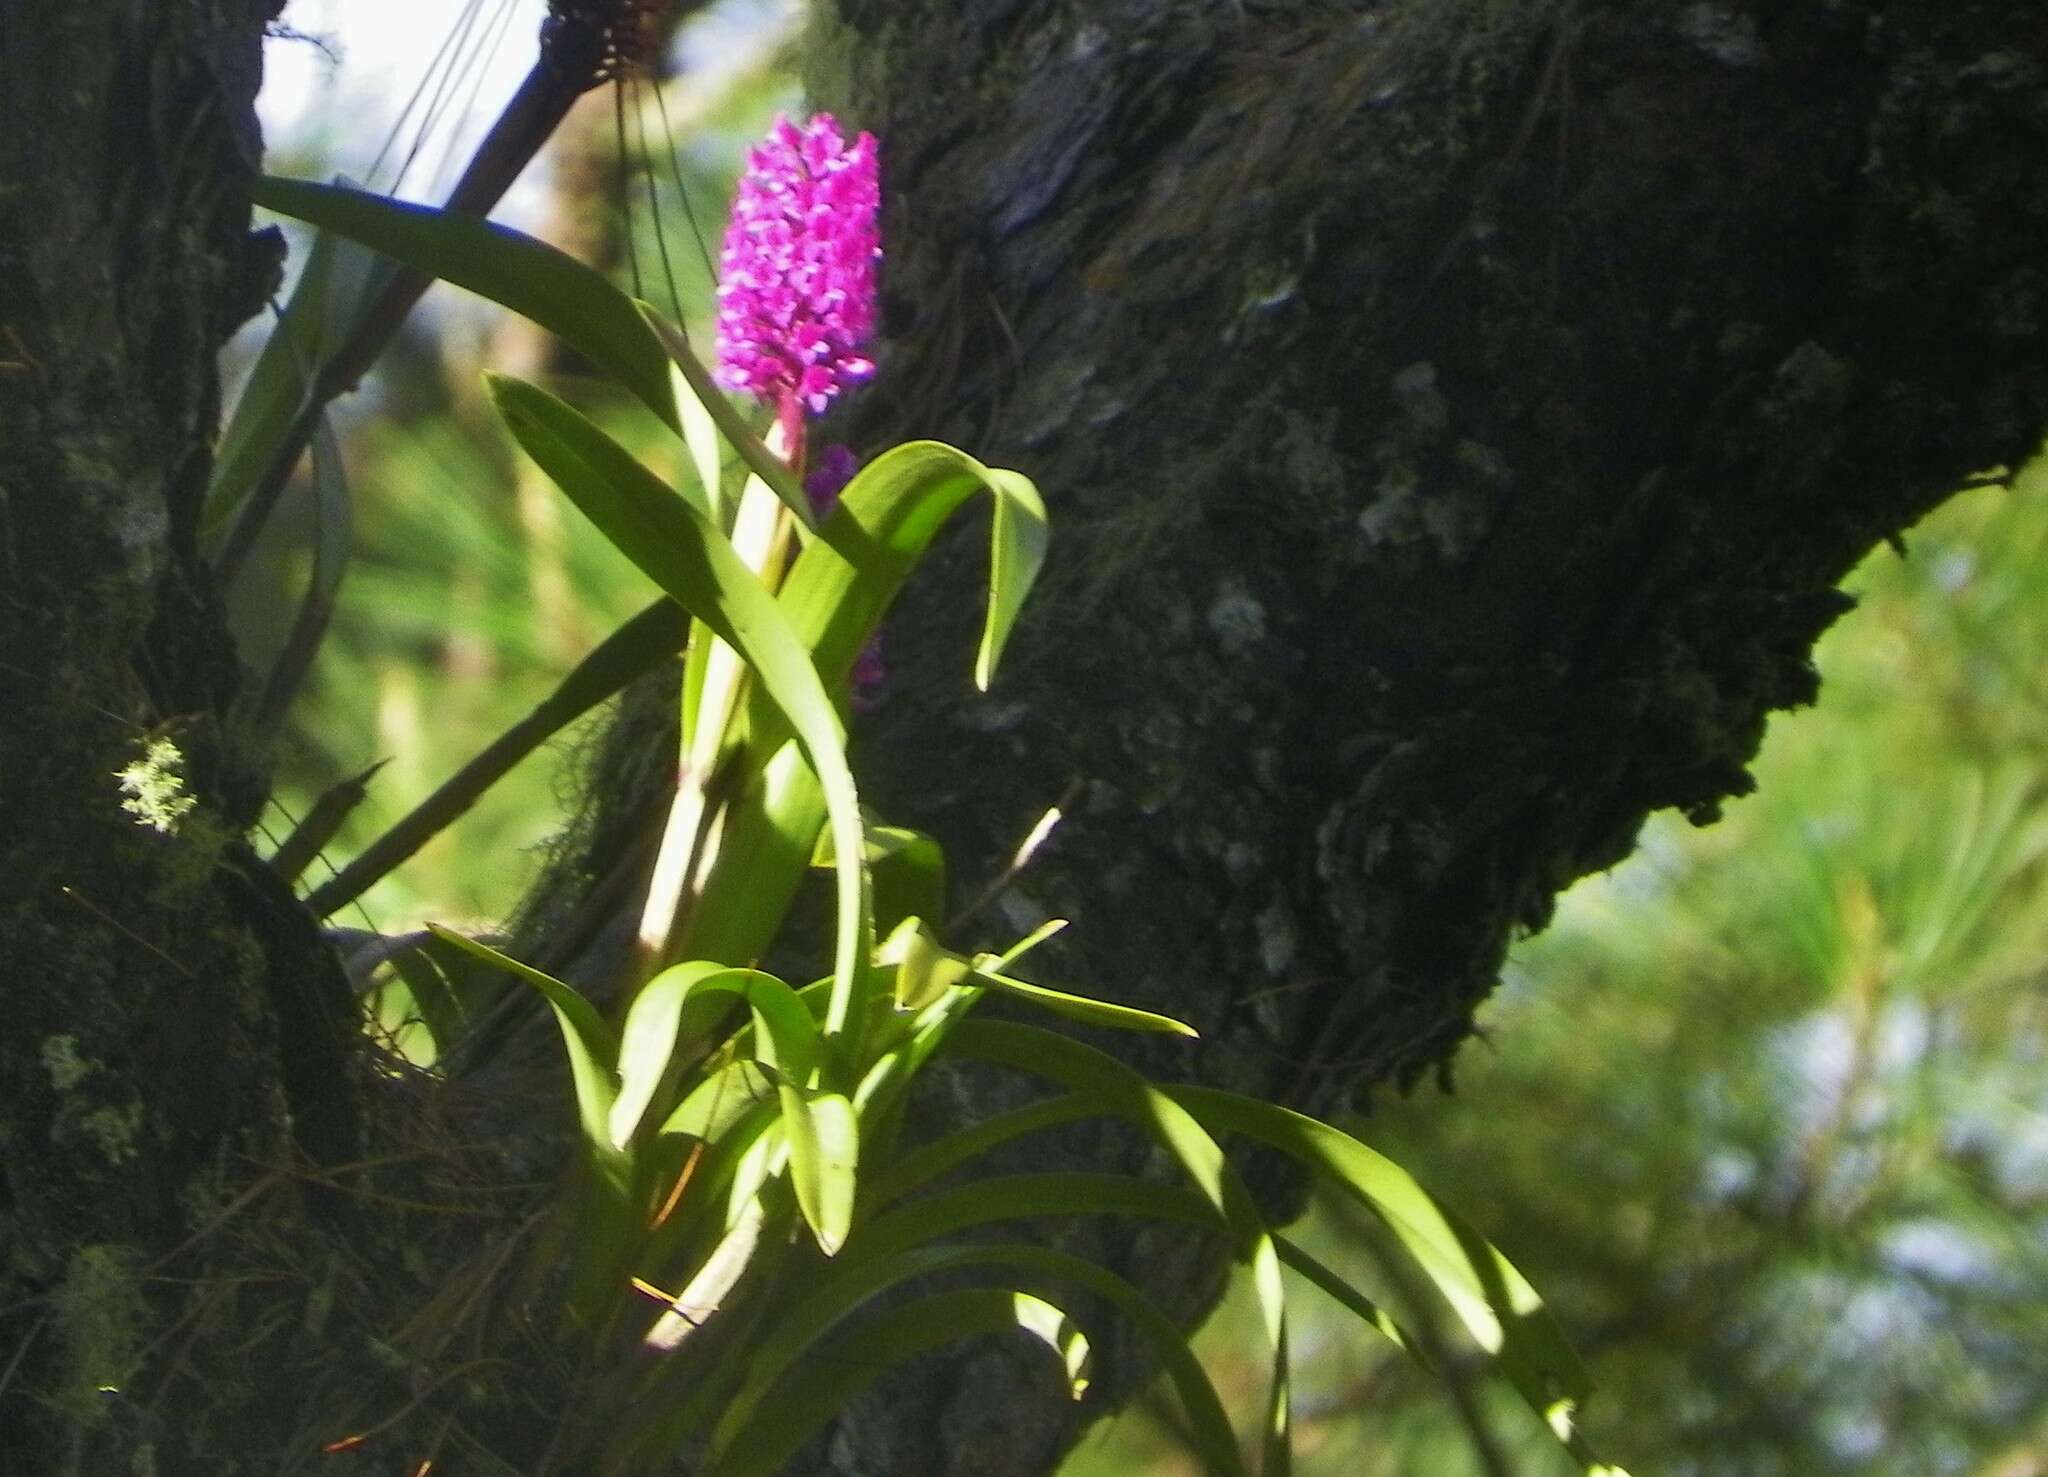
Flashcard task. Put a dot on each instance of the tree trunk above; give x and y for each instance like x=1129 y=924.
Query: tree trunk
x=172 y=1018
x=1455 y=415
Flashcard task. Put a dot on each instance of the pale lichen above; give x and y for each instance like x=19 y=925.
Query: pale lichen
x=113 y=1130
x=62 y=1063
x=154 y=787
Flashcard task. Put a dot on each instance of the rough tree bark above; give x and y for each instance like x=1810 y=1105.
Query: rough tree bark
x=172 y=1017
x=1455 y=413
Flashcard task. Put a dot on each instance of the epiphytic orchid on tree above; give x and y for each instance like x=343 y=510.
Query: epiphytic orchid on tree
x=721 y=1108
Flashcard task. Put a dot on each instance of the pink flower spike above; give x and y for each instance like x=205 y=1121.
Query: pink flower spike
x=796 y=292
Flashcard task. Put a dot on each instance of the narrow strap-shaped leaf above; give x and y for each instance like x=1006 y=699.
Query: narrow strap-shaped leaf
x=321 y=823
x=763 y=1446
x=879 y=528
x=773 y=471
x=1125 y=1091
x=333 y=518
x=1338 y=1288
x=742 y=1147
x=1016 y=551
x=706 y=1292
x=637 y=647
x=906 y=871
x=824 y=1152
x=884 y=1091
x=927 y=1163
x=719 y=1101
x=572 y=301
x=647 y=1040
x=593 y=1051
x=675 y=545
x=700 y=438
x=339 y=277
x=924 y=968
x=1494 y=1301
x=768 y=1399
x=1085 y=1009
x=834 y=595
x=1021 y=1197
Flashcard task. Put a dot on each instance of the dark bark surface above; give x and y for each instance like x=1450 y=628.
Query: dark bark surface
x=171 y=1016
x=1455 y=416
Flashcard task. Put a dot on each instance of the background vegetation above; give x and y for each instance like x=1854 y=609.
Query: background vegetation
x=1762 y=1112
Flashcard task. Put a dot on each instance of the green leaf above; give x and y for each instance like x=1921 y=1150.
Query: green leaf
x=834 y=594
x=570 y=300
x=1493 y=1300
x=339 y=278
x=333 y=517
x=927 y=1163
x=924 y=970
x=906 y=873
x=719 y=1169
x=771 y=469
x=881 y=525
x=700 y=438
x=593 y=1053
x=880 y=1098
x=824 y=1150
x=1349 y=1297
x=705 y=1293
x=757 y=1432
x=827 y=1387
x=1016 y=551
x=676 y=546
x=647 y=1041
x=1121 y=1090
x=438 y=1007
x=1033 y=939
x=719 y=1101
x=1059 y=1333
x=641 y=644
x=1089 y=1012
x=1022 y=1197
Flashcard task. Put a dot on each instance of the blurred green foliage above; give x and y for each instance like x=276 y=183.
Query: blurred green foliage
x=1765 y=1112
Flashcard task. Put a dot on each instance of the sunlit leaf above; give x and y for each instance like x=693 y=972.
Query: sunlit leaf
x=834 y=595
x=786 y=1395
x=593 y=1051
x=1494 y=1301
x=924 y=970
x=773 y=472
x=675 y=545
x=706 y=1292
x=1085 y=1009
x=824 y=1151
x=533 y=279
x=1119 y=1089
x=338 y=279
x=647 y=1041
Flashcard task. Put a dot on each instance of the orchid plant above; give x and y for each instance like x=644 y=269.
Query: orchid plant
x=745 y=1197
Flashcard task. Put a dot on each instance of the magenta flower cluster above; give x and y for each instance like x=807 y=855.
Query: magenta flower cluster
x=796 y=295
